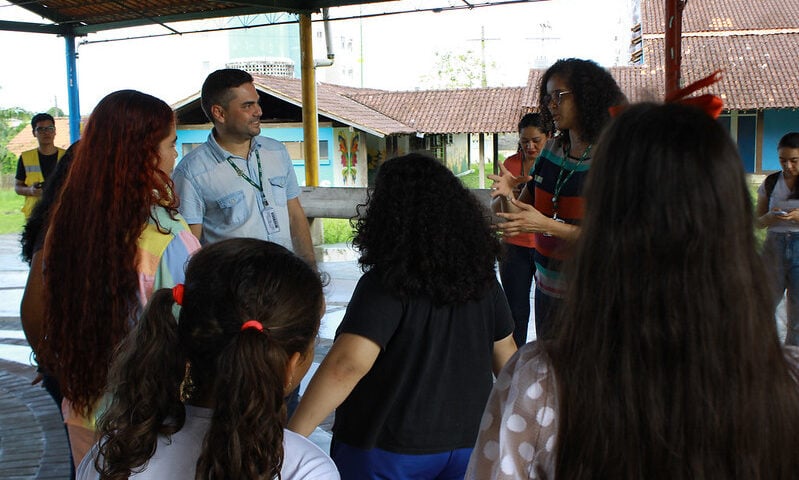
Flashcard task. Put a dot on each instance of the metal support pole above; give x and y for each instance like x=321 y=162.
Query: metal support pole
x=673 y=44
x=310 y=122
x=72 y=89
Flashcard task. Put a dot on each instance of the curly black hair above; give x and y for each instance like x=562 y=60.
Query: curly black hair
x=425 y=234
x=594 y=91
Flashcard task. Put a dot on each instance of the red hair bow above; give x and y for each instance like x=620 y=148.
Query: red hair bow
x=177 y=293
x=711 y=104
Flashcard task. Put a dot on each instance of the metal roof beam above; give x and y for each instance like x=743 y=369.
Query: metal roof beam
x=138 y=22
x=29 y=27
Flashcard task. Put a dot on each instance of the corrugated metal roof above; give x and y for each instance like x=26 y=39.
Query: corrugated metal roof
x=80 y=17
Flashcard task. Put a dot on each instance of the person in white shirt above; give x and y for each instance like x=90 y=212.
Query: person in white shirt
x=200 y=395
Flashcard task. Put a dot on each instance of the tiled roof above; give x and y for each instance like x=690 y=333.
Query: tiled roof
x=476 y=110
x=25 y=140
x=333 y=102
x=472 y=110
x=758 y=71
x=724 y=15
x=530 y=93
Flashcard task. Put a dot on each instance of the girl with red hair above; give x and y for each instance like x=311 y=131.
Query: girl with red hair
x=115 y=236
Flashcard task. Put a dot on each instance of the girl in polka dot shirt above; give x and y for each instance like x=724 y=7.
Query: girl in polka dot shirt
x=666 y=362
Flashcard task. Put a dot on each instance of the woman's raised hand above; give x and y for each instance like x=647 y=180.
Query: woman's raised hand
x=505 y=183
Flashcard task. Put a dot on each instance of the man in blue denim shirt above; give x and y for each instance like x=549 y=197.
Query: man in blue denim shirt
x=240 y=184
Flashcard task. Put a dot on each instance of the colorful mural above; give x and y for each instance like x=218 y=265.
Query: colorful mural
x=349 y=158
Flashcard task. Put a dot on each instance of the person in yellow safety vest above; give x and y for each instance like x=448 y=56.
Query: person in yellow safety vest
x=34 y=166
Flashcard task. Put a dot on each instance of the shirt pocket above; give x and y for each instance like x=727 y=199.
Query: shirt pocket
x=278 y=185
x=233 y=208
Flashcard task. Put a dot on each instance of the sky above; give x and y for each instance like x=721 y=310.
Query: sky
x=398 y=50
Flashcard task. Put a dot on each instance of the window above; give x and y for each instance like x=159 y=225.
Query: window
x=436 y=145
x=742 y=126
x=297 y=151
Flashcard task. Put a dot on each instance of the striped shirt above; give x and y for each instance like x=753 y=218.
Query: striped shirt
x=551 y=165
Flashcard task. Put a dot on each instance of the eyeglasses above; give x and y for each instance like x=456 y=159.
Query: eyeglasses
x=557 y=95
x=49 y=129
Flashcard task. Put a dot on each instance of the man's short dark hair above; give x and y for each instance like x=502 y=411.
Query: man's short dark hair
x=216 y=88
x=789 y=140
x=41 y=117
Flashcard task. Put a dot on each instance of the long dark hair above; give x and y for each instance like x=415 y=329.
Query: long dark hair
x=594 y=91
x=241 y=373
x=667 y=357
x=90 y=252
x=424 y=233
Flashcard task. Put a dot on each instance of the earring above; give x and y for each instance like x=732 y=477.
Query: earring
x=187 y=385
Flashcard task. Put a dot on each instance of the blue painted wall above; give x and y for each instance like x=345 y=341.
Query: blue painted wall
x=776 y=123
x=281 y=134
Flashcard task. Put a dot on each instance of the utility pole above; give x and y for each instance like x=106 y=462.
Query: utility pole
x=483 y=39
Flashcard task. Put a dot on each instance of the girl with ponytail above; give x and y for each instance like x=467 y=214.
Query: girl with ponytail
x=201 y=395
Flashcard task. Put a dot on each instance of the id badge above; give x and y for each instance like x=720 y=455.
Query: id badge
x=270 y=218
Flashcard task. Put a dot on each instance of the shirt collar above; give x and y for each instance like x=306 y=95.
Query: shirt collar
x=221 y=155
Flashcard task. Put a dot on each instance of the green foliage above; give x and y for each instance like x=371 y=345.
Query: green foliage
x=8 y=161
x=337 y=230
x=472 y=180
x=11 y=218
x=56 y=112
x=456 y=70
x=12 y=121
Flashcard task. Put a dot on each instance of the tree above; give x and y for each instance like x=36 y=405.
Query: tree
x=56 y=112
x=456 y=70
x=12 y=121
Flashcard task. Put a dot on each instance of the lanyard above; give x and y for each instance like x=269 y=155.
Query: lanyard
x=562 y=181
x=258 y=186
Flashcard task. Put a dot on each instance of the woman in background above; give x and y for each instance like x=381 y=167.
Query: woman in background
x=517 y=267
x=667 y=363
x=201 y=395
x=778 y=211
x=114 y=237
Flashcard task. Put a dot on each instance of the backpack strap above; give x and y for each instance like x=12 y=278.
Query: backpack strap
x=771 y=182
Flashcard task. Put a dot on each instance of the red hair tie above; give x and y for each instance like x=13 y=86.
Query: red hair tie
x=252 y=324
x=177 y=293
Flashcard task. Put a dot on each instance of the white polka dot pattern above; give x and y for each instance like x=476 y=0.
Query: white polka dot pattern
x=519 y=427
x=516 y=423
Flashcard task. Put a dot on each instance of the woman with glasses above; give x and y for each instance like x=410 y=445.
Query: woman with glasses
x=517 y=267
x=114 y=237
x=576 y=95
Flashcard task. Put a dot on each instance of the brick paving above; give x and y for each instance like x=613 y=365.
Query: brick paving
x=33 y=442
